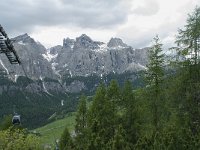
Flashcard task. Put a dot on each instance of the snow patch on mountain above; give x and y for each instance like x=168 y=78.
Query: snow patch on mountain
x=2 y=64
x=144 y=68
x=54 y=69
x=72 y=46
x=44 y=87
x=21 y=43
x=70 y=73
x=102 y=48
x=66 y=65
x=119 y=47
x=16 y=77
x=48 y=56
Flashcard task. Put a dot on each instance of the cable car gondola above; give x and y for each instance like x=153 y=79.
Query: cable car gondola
x=16 y=119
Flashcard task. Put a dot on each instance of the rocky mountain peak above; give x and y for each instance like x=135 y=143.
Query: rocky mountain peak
x=84 y=37
x=116 y=42
x=24 y=38
x=85 y=41
x=67 y=42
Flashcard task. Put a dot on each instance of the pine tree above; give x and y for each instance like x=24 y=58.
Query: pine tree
x=114 y=98
x=81 y=116
x=119 y=140
x=100 y=119
x=114 y=91
x=188 y=39
x=127 y=94
x=81 y=124
x=154 y=76
x=66 y=140
x=130 y=116
x=6 y=123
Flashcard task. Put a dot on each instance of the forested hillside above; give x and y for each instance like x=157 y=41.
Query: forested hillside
x=36 y=106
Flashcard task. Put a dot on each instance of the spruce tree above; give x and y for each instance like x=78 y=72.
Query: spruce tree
x=114 y=98
x=6 y=122
x=66 y=140
x=127 y=94
x=130 y=115
x=100 y=119
x=188 y=41
x=119 y=140
x=188 y=38
x=81 y=124
x=81 y=116
x=154 y=76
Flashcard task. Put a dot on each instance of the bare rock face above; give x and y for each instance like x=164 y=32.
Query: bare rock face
x=83 y=57
x=116 y=42
x=68 y=43
x=141 y=56
x=75 y=87
x=85 y=42
x=31 y=55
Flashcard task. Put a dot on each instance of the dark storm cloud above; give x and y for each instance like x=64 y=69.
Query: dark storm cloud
x=24 y=16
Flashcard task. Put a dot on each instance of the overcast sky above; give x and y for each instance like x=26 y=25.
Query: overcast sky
x=136 y=22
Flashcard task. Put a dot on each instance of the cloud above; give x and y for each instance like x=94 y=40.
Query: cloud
x=24 y=16
x=145 y=8
x=139 y=37
x=141 y=28
x=135 y=21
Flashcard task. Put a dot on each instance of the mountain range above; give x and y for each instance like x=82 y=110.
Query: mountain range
x=76 y=57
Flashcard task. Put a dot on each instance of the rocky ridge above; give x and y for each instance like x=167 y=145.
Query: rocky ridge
x=76 y=57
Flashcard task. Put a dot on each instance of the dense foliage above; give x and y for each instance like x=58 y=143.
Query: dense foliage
x=18 y=139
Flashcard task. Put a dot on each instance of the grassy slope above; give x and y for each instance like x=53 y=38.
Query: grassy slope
x=53 y=130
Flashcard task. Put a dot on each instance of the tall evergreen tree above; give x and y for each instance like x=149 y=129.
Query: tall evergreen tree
x=66 y=140
x=154 y=76
x=119 y=140
x=127 y=94
x=188 y=39
x=6 y=123
x=130 y=115
x=81 y=115
x=114 y=98
x=100 y=119
x=81 y=124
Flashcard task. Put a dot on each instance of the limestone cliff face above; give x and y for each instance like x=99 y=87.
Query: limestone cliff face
x=83 y=57
x=31 y=56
